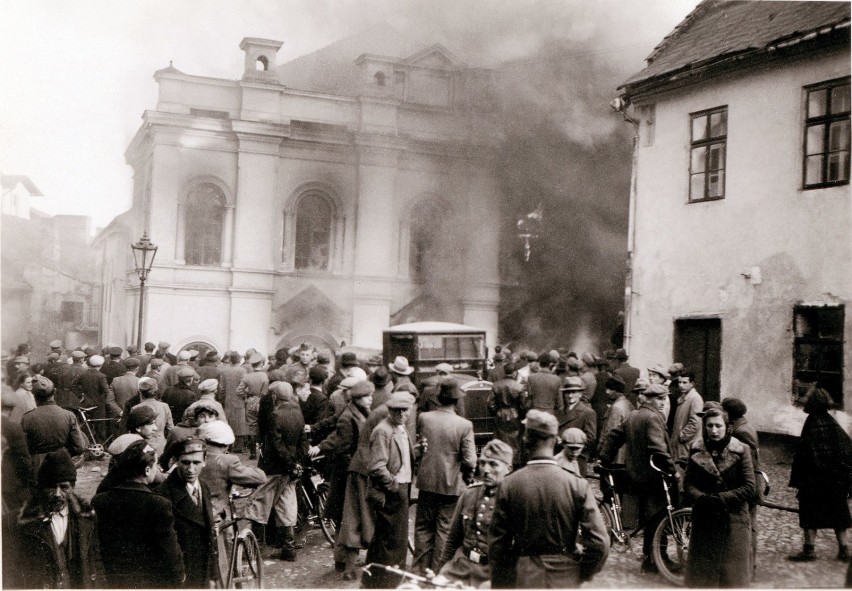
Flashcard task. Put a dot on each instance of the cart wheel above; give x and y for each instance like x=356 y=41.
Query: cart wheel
x=671 y=544
x=248 y=567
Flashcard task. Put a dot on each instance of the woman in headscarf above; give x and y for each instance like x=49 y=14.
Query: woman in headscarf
x=719 y=482
x=821 y=471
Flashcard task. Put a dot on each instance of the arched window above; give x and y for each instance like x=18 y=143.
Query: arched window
x=314 y=217
x=262 y=64
x=425 y=239
x=205 y=219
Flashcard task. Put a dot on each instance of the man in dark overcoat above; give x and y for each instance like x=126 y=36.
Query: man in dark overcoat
x=643 y=434
x=136 y=526
x=113 y=367
x=183 y=393
x=193 y=512
x=49 y=427
x=580 y=415
x=541 y=512
x=93 y=386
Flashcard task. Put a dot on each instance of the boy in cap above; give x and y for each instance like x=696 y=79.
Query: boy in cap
x=207 y=391
x=163 y=420
x=465 y=552
x=573 y=444
x=193 y=513
x=579 y=414
x=56 y=541
x=541 y=512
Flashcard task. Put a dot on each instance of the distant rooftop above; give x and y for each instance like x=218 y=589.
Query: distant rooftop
x=718 y=30
x=10 y=181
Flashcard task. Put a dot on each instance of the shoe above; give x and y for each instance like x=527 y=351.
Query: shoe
x=288 y=549
x=648 y=566
x=339 y=567
x=806 y=555
x=843 y=554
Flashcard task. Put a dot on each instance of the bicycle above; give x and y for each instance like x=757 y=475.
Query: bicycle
x=245 y=563
x=671 y=537
x=412 y=581
x=312 y=494
x=94 y=449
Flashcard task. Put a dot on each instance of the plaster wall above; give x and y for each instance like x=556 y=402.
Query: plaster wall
x=690 y=258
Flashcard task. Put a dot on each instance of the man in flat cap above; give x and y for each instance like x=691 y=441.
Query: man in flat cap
x=164 y=421
x=541 y=512
x=391 y=470
x=573 y=443
x=207 y=392
x=171 y=373
x=579 y=414
x=183 y=393
x=49 y=427
x=642 y=434
x=447 y=465
x=251 y=389
x=125 y=387
x=193 y=513
x=145 y=358
x=543 y=388
x=93 y=387
x=56 y=541
x=465 y=553
x=112 y=366
x=675 y=369
x=163 y=347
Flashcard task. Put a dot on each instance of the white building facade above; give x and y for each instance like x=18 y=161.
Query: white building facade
x=741 y=213
x=284 y=215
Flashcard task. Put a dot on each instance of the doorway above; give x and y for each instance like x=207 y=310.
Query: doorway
x=698 y=345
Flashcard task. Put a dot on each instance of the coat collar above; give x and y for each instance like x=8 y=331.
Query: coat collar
x=729 y=457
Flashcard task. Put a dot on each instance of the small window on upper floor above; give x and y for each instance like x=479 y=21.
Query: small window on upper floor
x=380 y=78
x=826 y=153
x=398 y=77
x=262 y=64
x=709 y=138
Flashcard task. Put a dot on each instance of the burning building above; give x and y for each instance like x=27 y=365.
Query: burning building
x=740 y=211
x=321 y=200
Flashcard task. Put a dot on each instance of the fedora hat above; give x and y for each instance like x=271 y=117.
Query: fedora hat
x=400 y=366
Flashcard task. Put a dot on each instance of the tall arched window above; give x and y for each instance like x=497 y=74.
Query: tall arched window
x=425 y=239
x=205 y=220
x=314 y=217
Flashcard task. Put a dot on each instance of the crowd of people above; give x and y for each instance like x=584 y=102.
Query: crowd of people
x=183 y=429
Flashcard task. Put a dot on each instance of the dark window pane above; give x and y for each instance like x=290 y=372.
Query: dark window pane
x=699 y=128
x=696 y=186
x=806 y=322
x=831 y=323
x=814 y=141
x=838 y=167
x=816 y=102
x=813 y=170
x=807 y=357
x=716 y=161
x=838 y=136
x=698 y=160
x=425 y=240
x=313 y=233
x=716 y=184
x=719 y=124
x=832 y=358
x=840 y=99
x=204 y=219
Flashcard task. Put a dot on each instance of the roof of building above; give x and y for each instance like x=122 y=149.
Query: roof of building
x=721 y=29
x=433 y=327
x=9 y=181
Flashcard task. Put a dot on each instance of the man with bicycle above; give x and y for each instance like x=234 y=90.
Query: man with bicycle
x=642 y=434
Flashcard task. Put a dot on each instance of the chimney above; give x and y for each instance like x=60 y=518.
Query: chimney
x=260 y=59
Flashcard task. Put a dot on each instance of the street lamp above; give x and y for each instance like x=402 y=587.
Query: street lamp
x=144 y=252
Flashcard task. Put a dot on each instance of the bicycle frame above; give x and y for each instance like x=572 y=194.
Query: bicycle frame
x=233 y=524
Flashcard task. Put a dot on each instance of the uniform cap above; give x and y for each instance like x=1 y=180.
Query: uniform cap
x=641 y=385
x=208 y=385
x=573 y=384
x=185 y=372
x=78 y=355
x=57 y=467
x=361 y=389
x=132 y=362
x=188 y=446
x=572 y=436
x=120 y=443
x=55 y=344
x=140 y=415
x=659 y=369
x=400 y=400
x=656 y=391
x=497 y=450
x=115 y=351
x=218 y=432
x=400 y=366
x=541 y=422
x=184 y=356
x=96 y=361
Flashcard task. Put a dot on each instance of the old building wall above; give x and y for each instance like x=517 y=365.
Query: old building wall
x=750 y=257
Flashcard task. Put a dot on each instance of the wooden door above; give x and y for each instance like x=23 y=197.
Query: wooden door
x=698 y=345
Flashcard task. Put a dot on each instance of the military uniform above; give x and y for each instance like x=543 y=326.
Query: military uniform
x=465 y=555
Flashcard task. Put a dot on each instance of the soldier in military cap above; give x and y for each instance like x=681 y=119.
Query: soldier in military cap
x=193 y=513
x=465 y=552
x=540 y=514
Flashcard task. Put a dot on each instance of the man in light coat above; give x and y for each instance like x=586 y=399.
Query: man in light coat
x=686 y=428
x=447 y=465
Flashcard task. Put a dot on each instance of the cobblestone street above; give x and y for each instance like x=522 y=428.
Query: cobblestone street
x=779 y=535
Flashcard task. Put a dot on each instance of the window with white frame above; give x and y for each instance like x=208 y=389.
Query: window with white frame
x=826 y=152
x=708 y=144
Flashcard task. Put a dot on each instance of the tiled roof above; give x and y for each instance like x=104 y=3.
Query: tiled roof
x=719 y=29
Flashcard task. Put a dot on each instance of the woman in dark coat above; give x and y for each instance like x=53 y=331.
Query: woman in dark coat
x=720 y=483
x=822 y=468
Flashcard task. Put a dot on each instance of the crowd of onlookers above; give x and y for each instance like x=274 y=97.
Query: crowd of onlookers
x=180 y=430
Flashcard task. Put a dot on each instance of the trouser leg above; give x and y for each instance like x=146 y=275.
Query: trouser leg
x=442 y=529
x=425 y=523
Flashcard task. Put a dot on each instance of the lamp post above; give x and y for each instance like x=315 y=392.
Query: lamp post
x=144 y=252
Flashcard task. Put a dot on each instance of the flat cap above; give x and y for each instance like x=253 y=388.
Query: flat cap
x=53 y=357
x=163 y=345
x=131 y=362
x=89 y=351
x=573 y=437
x=255 y=358
x=347 y=383
x=218 y=432
x=131 y=349
x=541 y=422
x=184 y=356
x=573 y=383
x=185 y=372
x=55 y=344
x=115 y=351
x=147 y=384
x=120 y=443
x=400 y=400
x=208 y=385
x=362 y=388
x=78 y=355
x=676 y=368
x=659 y=370
x=96 y=361
x=445 y=367
x=573 y=364
x=497 y=450
x=203 y=406
x=640 y=385
x=140 y=415
x=156 y=362
x=656 y=391
x=189 y=445
x=22 y=359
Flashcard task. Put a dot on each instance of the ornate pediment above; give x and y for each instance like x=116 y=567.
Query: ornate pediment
x=436 y=56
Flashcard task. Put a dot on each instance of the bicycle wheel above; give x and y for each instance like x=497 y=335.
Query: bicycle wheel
x=248 y=567
x=329 y=530
x=79 y=459
x=671 y=544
